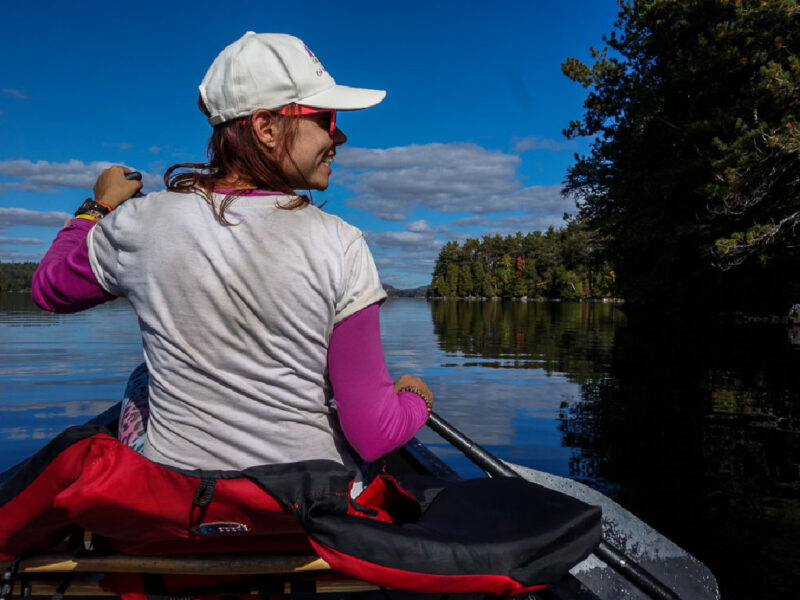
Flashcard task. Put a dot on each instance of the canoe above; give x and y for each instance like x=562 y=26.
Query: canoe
x=634 y=561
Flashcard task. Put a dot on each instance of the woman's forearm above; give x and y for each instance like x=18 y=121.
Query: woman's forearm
x=374 y=418
x=64 y=282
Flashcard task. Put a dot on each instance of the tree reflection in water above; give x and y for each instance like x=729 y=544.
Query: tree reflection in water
x=572 y=338
x=693 y=426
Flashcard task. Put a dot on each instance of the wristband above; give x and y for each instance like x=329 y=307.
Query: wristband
x=87 y=217
x=421 y=393
x=89 y=206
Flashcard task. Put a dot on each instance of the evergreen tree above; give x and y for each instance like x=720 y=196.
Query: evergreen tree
x=478 y=276
x=465 y=281
x=505 y=276
x=451 y=279
x=694 y=177
x=440 y=285
x=489 y=287
x=531 y=278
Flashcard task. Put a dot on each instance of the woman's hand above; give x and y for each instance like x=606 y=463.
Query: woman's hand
x=409 y=383
x=112 y=188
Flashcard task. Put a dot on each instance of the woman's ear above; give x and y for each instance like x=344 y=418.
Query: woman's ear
x=266 y=128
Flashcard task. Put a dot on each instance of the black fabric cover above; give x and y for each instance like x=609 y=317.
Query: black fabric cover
x=503 y=526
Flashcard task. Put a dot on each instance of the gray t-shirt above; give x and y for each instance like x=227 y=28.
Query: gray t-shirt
x=235 y=323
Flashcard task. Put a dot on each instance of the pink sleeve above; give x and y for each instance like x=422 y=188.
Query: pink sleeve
x=375 y=419
x=64 y=281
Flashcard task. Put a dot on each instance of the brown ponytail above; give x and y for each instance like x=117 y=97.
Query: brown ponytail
x=234 y=152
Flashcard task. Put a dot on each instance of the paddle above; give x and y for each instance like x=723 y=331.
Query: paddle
x=606 y=552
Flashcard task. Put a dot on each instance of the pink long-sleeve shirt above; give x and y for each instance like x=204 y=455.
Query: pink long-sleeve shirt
x=374 y=419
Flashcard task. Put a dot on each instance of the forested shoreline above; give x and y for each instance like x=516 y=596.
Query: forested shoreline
x=16 y=276
x=564 y=263
x=690 y=191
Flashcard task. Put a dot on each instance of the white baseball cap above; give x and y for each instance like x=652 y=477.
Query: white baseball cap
x=270 y=70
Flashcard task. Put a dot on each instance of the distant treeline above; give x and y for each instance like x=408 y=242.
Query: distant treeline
x=558 y=263
x=16 y=276
x=393 y=292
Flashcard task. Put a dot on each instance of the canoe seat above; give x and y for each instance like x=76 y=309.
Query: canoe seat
x=501 y=536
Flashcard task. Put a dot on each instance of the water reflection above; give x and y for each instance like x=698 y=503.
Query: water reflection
x=574 y=339
x=18 y=310
x=692 y=426
x=59 y=370
x=474 y=356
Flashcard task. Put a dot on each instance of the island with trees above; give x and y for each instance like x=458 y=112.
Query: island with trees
x=561 y=263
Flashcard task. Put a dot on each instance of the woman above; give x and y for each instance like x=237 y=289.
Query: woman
x=256 y=307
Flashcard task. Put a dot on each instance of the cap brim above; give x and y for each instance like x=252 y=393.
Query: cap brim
x=343 y=97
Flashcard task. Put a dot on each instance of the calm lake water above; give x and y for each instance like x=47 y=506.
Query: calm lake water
x=692 y=427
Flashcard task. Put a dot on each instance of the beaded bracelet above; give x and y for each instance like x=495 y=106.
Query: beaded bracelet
x=421 y=393
x=106 y=206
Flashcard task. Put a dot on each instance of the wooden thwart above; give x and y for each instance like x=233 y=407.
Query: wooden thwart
x=43 y=574
x=92 y=589
x=211 y=564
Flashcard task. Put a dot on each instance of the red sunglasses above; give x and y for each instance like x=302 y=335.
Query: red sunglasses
x=297 y=109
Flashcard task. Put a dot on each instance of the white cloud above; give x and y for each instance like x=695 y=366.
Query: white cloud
x=419 y=255
x=539 y=199
x=401 y=239
x=447 y=178
x=421 y=226
x=508 y=225
x=15 y=256
x=15 y=93
x=536 y=143
x=404 y=258
x=12 y=217
x=536 y=202
x=443 y=177
x=20 y=241
x=45 y=176
x=154 y=149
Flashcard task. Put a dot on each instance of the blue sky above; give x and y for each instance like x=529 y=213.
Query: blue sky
x=467 y=143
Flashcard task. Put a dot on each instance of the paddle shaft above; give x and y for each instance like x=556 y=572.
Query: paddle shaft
x=606 y=552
